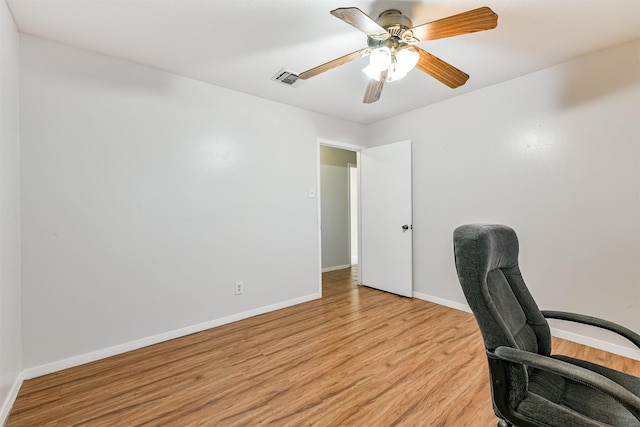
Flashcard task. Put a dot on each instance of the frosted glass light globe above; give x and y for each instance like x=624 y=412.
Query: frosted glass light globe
x=380 y=58
x=406 y=59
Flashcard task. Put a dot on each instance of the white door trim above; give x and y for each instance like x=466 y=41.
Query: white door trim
x=338 y=144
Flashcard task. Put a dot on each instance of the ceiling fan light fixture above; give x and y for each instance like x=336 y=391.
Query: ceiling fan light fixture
x=404 y=60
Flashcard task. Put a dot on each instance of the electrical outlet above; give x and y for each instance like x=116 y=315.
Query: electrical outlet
x=239 y=288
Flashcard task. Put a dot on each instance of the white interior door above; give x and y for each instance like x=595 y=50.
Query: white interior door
x=386 y=258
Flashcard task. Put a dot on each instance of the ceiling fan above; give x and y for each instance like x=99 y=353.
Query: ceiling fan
x=392 y=46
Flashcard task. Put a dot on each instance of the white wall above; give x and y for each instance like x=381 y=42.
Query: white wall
x=147 y=195
x=10 y=317
x=556 y=155
x=334 y=192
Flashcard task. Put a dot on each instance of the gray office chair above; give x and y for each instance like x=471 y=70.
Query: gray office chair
x=529 y=386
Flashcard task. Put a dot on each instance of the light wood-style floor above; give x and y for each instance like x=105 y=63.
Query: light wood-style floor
x=357 y=357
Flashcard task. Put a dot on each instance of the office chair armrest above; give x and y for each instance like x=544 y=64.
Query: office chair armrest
x=594 y=321
x=573 y=372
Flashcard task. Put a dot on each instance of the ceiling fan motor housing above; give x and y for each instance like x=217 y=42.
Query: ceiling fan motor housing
x=396 y=24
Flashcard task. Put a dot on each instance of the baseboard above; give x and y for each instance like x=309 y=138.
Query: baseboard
x=10 y=399
x=71 y=362
x=336 y=267
x=560 y=333
x=596 y=343
x=442 y=301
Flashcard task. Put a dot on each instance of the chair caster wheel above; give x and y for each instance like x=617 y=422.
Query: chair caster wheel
x=503 y=423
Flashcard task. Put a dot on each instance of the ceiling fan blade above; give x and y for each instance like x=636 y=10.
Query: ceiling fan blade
x=333 y=64
x=440 y=70
x=463 y=23
x=360 y=20
x=374 y=88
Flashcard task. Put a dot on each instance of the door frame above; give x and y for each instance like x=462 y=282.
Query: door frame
x=355 y=194
x=343 y=146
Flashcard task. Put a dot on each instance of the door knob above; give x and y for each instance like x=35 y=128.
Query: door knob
x=405 y=227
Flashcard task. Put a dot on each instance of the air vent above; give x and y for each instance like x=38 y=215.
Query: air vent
x=288 y=78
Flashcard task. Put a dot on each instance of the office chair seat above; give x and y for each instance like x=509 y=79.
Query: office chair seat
x=529 y=385
x=570 y=398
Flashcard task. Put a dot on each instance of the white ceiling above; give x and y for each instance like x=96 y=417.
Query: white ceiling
x=241 y=44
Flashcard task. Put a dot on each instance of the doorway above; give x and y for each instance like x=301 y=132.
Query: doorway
x=383 y=221
x=338 y=208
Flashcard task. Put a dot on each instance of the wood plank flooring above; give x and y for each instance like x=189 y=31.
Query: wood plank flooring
x=356 y=357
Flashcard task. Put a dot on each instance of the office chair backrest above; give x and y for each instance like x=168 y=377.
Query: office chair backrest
x=487 y=265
